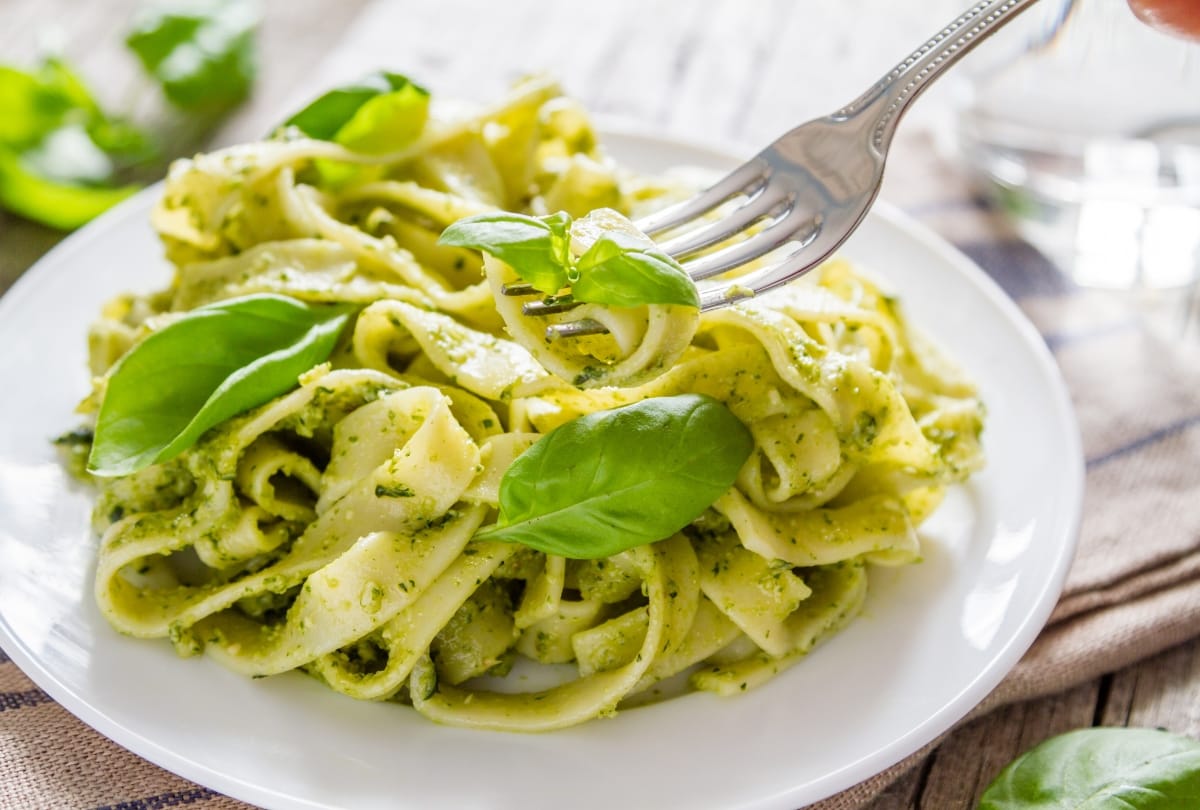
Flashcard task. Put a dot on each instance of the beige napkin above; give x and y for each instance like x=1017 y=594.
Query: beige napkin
x=1133 y=372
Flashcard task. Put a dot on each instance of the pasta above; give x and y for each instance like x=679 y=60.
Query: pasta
x=335 y=528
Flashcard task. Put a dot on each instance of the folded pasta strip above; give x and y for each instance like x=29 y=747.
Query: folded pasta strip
x=332 y=530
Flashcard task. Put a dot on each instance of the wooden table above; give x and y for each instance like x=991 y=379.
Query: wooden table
x=669 y=66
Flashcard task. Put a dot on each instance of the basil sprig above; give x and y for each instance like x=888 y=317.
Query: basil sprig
x=379 y=113
x=538 y=248
x=617 y=479
x=1101 y=767
x=213 y=363
x=616 y=270
x=620 y=273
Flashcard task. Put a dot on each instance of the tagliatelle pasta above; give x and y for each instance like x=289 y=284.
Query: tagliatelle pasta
x=639 y=343
x=333 y=529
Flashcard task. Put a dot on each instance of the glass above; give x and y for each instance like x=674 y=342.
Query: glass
x=1088 y=134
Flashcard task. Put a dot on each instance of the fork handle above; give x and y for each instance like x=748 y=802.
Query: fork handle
x=890 y=96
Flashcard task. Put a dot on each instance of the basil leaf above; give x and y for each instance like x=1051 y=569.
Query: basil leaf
x=618 y=269
x=59 y=151
x=537 y=248
x=55 y=203
x=621 y=275
x=37 y=106
x=617 y=479
x=34 y=104
x=1101 y=767
x=379 y=113
x=213 y=363
x=200 y=51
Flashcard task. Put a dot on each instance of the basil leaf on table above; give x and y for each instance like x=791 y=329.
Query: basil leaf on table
x=624 y=275
x=537 y=248
x=213 y=363
x=54 y=99
x=59 y=204
x=59 y=152
x=201 y=52
x=379 y=113
x=34 y=103
x=616 y=479
x=1133 y=768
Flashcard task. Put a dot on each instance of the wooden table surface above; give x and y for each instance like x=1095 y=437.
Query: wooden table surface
x=688 y=81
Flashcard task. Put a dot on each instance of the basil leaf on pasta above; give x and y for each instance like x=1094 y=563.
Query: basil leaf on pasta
x=621 y=478
x=537 y=248
x=213 y=363
x=380 y=113
x=622 y=275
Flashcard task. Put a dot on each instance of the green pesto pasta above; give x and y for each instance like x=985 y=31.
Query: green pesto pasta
x=332 y=529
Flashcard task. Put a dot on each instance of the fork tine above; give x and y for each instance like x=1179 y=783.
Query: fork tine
x=784 y=230
x=579 y=328
x=790 y=267
x=834 y=164
x=746 y=179
x=767 y=203
x=549 y=306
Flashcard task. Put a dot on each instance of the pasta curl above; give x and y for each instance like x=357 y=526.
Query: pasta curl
x=334 y=529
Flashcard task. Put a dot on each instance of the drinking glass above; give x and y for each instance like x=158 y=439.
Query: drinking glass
x=1086 y=131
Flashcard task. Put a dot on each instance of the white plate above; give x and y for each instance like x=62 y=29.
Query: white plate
x=934 y=640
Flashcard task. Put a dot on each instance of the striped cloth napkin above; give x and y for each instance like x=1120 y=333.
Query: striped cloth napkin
x=1132 y=366
x=1134 y=589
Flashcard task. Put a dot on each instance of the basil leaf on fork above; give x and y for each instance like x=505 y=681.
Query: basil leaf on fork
x=537 y=248
x=624 y=275
x=620 y=268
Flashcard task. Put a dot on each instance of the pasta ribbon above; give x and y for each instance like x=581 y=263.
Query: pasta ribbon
x=334 y=529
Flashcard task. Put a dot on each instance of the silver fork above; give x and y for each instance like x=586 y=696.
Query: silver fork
x=809 y=189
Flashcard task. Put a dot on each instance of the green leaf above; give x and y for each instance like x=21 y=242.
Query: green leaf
x=536 y=248
x=1095 y=768
x=33 y=104
x=617 y=479
x=55 y=99
x=387 y=122
x=55 y=203
x=380 y=113
x=202 y=52
x=615 y=272
x=622 y=268
x=213 y=363
x=124 y=143
x=59 y=151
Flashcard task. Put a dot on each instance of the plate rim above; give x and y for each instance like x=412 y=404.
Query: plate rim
x=951 y=712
